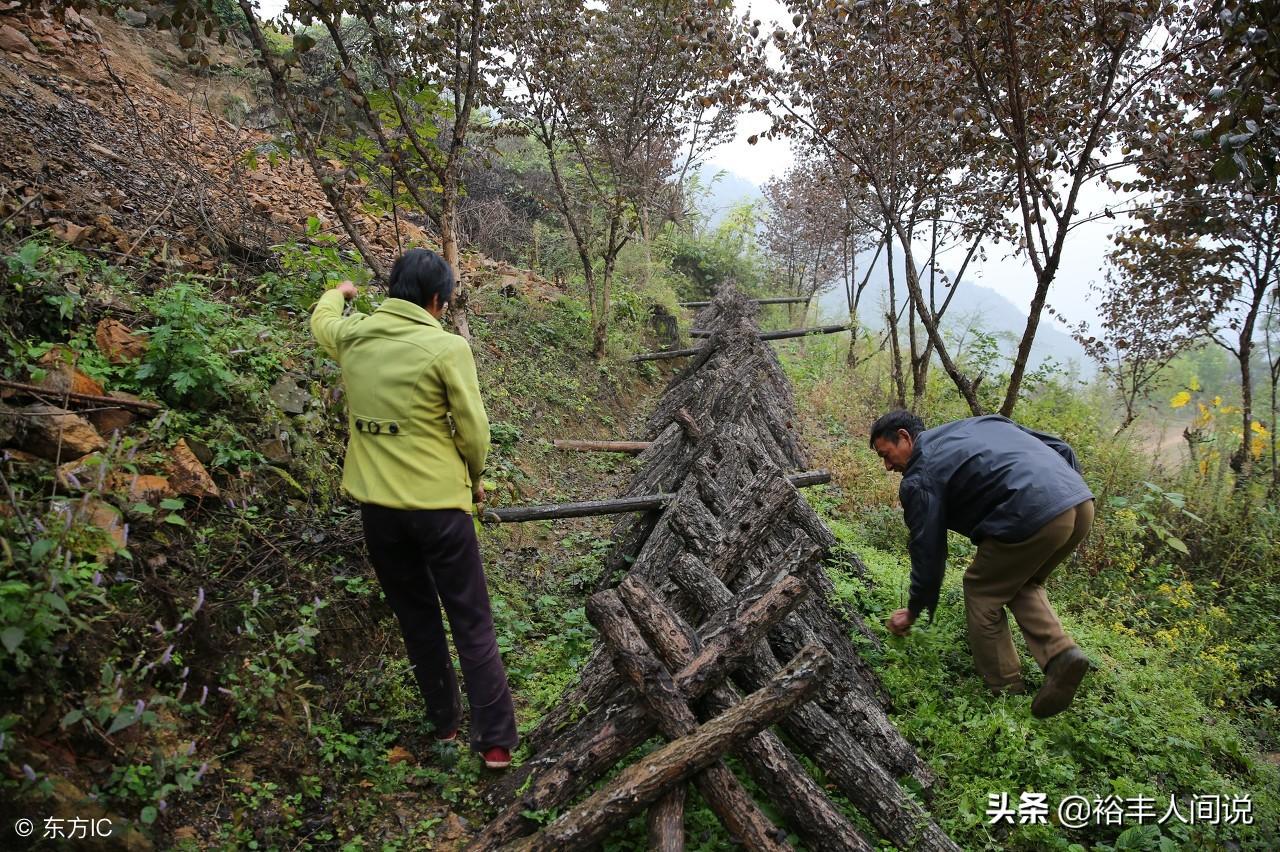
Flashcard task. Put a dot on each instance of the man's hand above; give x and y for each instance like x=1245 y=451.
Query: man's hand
x=477 y=493
x=900 y=622
x=347 y=289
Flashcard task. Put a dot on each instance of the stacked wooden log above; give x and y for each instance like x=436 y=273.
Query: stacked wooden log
x=706 y=596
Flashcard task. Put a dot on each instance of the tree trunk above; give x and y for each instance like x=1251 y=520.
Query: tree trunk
x=895 y=349
x=449 y=249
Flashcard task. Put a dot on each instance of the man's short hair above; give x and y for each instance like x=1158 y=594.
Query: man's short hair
x=887 y=426
x=419 y=275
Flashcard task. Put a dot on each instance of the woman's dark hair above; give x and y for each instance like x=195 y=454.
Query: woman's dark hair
x=419 y=275
x=887 y=426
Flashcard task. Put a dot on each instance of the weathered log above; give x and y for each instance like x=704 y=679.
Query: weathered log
x=665 y=822
x=771 y=300
x=832 y=745
x=629 y=447
x=670 y=712
x=784 y=334
x=669 y=353
x=138 y=405
x=645 y=781
x=611 y=729
x=551 y=511
x=618 y=505
x=771 y=764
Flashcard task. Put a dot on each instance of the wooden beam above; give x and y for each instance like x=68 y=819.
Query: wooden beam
x=617 y=506
x=768 y=335
x=782 y=335
x=645 y=781
x=772 y=300
x=632 y=447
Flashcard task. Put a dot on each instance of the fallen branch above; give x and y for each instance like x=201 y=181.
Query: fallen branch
x=72 y=396
x=632 y=447
x=616 y=506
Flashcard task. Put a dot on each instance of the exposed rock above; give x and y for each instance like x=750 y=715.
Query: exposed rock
x=8 y=424
x=276 y=450
x=291 y=397
x=108 y=420
x=12 y=41
x=83 y=474
x=107 y=518
x=55 y=433
x=187 y=475
x=144 y=487
x=202 y=451
x=61 y=376
x=118 y=342
x=133 y=18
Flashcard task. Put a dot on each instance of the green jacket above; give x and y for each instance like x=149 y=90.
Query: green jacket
x=405 y=376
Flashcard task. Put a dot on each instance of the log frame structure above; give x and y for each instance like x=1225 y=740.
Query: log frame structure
x=717 y=622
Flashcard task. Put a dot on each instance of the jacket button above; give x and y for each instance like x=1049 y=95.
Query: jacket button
x=393 y=428
x=375 y=427
x=360 y=425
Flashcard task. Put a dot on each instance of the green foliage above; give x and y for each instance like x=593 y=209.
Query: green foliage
x=187 y=361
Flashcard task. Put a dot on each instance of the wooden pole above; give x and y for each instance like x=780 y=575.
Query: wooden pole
x=608 y=731
x=642 y=503
x=631 y=447
x=645 y=781
x=668 y=709
x=779 y=774
x=781 y=335
x=665 y=822
x=768 y=335
x=773 y=300
x=105 y=401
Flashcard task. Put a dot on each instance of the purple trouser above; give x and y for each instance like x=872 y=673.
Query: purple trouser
x=425 y=558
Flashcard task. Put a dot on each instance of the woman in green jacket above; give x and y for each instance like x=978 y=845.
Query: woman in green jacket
x=418 y=441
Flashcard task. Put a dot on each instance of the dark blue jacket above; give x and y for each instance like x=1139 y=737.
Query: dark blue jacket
x=984 y=476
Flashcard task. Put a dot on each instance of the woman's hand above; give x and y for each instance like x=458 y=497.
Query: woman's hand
x=347 y=289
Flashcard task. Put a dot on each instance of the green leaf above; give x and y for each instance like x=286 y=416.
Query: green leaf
x=176 y=520
x=123 y=719
x=41 y=549
x=72 y=717
x=1225 y=169
x=142 y=509
x=12 y=637
x=149 y=814
x=303 y=42
x=173 y=503
x=1177 y=544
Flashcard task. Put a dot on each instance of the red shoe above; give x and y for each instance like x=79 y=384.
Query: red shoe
x=497 y=757
x=449 y=737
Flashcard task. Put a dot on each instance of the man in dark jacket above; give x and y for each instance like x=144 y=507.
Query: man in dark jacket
x=1019 y=496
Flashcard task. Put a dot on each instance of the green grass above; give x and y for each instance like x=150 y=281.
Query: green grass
x=1137 y=728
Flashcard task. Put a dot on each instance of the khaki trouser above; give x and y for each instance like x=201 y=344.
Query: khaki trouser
x=1012 y=574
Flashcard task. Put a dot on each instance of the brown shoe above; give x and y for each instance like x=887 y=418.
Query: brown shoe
x=1061 y=680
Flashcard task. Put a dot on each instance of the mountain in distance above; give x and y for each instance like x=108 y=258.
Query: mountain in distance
x=724 y=190
x=975 y=307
